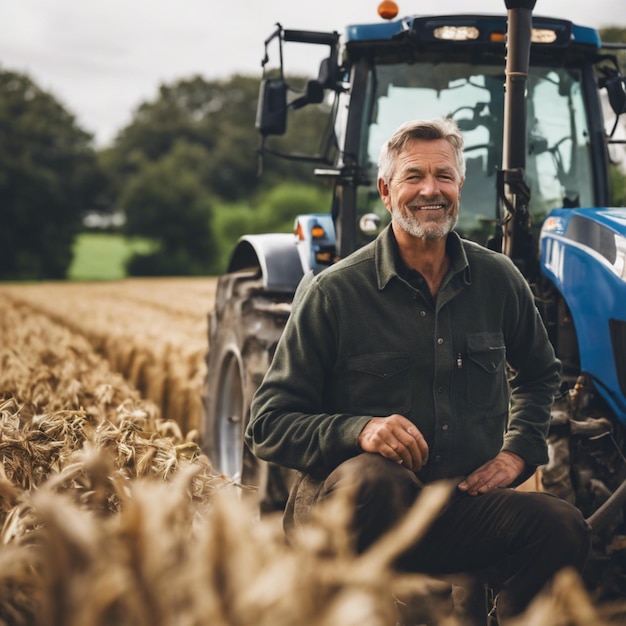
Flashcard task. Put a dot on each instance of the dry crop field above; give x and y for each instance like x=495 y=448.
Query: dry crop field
x=110 y=515
x=153 y=332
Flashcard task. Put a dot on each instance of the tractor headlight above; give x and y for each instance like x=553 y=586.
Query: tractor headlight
x=543 y=35
x=456 y=33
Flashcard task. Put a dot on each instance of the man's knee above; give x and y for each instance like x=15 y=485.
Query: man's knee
x=533 y=514
x=373 y=478
x=381 y=491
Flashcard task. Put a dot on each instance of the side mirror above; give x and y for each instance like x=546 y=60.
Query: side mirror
x=271 y=114
x=313 y=94
x=615 y=89
x=314 y=89
x=612 y=80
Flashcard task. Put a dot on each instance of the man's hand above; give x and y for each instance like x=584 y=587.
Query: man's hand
x=395 y=438
x=501 y=471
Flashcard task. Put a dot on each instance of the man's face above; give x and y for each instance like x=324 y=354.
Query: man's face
x=425 y=189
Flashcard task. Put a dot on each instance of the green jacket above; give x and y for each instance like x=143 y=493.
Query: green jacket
x=474 y=371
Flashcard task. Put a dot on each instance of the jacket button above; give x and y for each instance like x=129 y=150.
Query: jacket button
x=440 y=340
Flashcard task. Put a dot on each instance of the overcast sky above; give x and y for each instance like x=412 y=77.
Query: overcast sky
x=102 y=58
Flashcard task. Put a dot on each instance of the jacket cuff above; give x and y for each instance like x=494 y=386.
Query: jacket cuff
x=534 y=454
x=349 y=436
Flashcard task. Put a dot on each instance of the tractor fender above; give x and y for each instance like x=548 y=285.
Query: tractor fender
x=275 y=254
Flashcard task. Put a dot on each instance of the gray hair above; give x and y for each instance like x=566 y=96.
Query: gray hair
x=443 y=128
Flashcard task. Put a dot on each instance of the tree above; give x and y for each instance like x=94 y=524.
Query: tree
x=618 y=187
x=220 y=117
x=275 y=212
x=614 y=34
x=195 y=143
x=167 y=202
x=48 y=180
x=618 y=152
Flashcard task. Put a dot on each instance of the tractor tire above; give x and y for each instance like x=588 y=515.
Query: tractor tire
x=244 y=328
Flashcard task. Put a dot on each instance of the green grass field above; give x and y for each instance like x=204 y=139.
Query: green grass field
x=102 y=256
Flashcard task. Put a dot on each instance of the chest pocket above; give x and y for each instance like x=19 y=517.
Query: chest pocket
x=380 y=384
x=487 y=385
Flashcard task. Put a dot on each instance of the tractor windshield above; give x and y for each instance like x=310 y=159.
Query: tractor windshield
x=558 y=151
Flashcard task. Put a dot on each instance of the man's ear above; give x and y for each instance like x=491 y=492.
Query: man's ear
x=383 y=190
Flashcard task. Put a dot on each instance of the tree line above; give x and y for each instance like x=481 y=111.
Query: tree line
x=183 y=172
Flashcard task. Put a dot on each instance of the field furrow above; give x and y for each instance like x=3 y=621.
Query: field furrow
x=153 y=332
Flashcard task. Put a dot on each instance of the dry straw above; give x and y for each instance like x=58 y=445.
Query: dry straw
x=112 y=516
x=153 y=332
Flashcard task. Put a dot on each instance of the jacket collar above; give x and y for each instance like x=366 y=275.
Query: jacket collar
x=386 y=254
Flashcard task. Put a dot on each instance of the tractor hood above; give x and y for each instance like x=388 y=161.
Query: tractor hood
x=583 y=253
x=600 y=232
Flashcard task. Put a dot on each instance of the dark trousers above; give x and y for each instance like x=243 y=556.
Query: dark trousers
x=515 y=540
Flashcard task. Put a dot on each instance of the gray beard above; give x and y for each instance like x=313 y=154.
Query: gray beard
x=430 y=230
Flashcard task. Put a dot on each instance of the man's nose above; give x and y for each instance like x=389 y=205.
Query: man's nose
x=430 y=185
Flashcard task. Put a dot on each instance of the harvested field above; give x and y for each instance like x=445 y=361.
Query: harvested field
x=111 y=515
x=153 y=332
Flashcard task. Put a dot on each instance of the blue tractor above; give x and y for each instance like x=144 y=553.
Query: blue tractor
x=529 y=93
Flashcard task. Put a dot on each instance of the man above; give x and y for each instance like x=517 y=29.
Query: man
x=393 y=372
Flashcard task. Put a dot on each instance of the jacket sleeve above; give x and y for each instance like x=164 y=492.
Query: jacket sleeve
x=288 y=425
x=534 y=376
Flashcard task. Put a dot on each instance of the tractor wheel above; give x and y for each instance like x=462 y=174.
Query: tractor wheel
x=244 y=329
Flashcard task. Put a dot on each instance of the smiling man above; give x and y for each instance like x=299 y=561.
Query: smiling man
x=423 y=357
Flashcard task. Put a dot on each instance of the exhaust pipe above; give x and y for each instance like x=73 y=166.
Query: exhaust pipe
x=513 y=191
